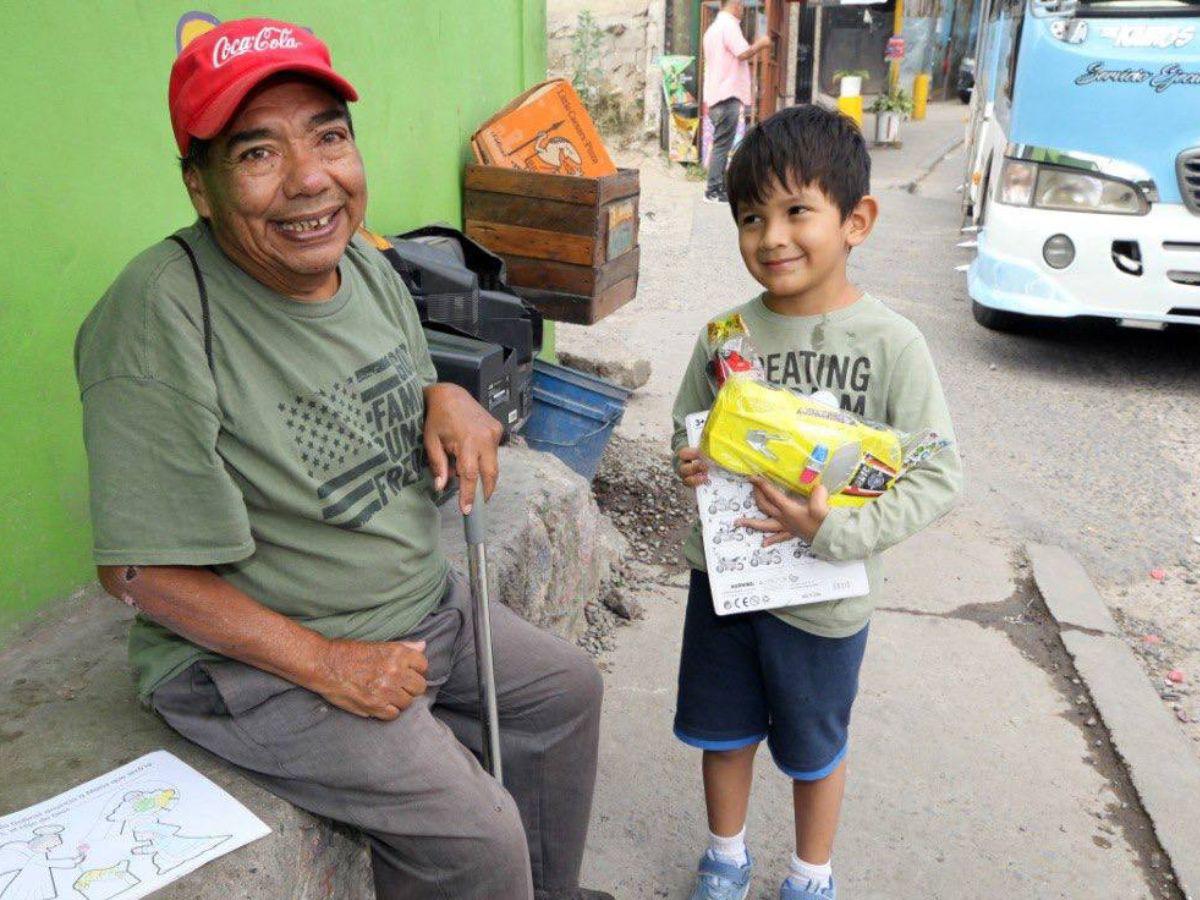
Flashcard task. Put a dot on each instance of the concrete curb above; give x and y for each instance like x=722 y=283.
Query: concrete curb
x=1067 y=590
x=913 y=184
x=1156 y=754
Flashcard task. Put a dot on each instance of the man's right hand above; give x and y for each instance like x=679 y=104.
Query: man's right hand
x=367 y=679
x=760 y=44
x=375 y=680
x=693 y=468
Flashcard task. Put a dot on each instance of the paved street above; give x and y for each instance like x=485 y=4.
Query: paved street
x=978 y=768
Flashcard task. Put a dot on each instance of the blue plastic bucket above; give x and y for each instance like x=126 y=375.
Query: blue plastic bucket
x=573 y=416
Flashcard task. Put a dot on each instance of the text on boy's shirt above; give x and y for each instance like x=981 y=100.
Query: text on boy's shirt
x=813 y=371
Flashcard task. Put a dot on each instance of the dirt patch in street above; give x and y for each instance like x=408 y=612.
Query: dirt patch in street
x=636 y=486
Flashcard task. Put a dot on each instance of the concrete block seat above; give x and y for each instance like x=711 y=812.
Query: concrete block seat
x=68 y=712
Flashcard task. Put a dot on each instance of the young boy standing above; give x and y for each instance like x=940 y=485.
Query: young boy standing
x=798 y=190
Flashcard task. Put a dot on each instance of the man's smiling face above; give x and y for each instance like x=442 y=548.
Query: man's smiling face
x=284 y=187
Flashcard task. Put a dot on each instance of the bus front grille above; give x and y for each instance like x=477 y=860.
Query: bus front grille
x=1188 y=167
x=1191 y=279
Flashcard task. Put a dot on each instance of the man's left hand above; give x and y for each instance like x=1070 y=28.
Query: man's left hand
x=457 y=426
x=787 y=516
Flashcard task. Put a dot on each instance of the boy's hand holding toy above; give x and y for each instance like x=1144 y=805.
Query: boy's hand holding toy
x=787 y=516
x=693 y=467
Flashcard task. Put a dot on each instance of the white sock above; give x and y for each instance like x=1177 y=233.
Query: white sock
x=804 y=872
x=729 y=849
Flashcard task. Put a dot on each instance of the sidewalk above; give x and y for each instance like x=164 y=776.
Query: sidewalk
x=923 y=144
x=974 y=769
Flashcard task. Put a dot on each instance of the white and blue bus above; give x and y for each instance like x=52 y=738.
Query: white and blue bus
x=1083 y=164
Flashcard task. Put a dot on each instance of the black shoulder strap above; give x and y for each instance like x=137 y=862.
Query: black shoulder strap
x=208 y=350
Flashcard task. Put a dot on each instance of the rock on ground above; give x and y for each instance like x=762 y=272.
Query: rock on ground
x=550 y=549
x=628 y=371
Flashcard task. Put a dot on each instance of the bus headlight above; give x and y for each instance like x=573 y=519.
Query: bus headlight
x=1064 y=189
x=1017 y=180
x=1024 y=183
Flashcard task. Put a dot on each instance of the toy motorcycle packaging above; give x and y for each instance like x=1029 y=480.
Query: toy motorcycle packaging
x=756 y=428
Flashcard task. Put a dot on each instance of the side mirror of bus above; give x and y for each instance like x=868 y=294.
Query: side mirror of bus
x=1054 y=9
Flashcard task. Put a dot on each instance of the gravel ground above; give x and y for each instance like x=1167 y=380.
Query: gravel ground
x=637 y=487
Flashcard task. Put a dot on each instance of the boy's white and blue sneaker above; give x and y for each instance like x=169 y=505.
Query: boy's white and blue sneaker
x=794 y=889
x=720 y=880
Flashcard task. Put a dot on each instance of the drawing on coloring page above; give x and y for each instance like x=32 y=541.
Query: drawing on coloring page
x=27 y=866
x=122 y=835
x=105 y=882
x=141 y=815
x=140 y=827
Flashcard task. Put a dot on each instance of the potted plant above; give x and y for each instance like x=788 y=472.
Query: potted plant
x=890 y=109
x=850 y=81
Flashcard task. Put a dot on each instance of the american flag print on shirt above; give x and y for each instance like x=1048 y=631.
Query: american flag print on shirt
x=361 y=437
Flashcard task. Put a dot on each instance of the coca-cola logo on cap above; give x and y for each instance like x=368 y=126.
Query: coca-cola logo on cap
x=269 y=37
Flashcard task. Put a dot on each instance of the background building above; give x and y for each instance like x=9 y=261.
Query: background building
x=835 y=37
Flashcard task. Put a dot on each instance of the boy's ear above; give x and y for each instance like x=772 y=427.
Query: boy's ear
x=861 y=220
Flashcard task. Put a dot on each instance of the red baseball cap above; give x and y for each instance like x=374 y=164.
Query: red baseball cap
x=215 y=71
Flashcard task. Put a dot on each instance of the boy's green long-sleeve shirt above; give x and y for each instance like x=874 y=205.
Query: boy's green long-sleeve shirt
x=876 y=363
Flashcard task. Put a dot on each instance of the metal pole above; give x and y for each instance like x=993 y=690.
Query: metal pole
x=816 y=59
x=898 y=31
x=489 y=716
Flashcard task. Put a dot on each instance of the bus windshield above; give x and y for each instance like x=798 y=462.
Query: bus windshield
x=1118 y=8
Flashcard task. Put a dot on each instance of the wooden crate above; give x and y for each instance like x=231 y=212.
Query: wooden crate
x=570 y=243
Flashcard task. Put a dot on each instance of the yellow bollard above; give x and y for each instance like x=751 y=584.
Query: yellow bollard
x=920 y=95
x=897 y=30
x=852 y=107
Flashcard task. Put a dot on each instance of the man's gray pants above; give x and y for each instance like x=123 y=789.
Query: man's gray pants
x=725 y=116
x=439 y=825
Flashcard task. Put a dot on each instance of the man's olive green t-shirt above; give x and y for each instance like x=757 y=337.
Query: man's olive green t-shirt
x=877 y=365
x=295 y=467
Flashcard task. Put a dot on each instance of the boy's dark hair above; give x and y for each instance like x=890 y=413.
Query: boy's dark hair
x=797 y=146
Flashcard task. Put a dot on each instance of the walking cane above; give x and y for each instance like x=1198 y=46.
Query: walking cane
x=489 y=716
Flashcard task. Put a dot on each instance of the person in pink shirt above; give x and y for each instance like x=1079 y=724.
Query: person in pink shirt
x=726 y=87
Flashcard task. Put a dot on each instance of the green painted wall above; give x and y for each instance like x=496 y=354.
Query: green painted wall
x=88 y=178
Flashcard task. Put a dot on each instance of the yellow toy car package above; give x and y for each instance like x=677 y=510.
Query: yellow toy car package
x=756 y=428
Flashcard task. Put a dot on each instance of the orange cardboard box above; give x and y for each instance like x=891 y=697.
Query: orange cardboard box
x=545 y=129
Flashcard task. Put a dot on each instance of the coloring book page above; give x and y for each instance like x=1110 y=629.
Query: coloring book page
x=743 y=574
x=124 y=834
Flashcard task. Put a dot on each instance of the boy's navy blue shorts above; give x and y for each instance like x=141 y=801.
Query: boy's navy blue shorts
x=751 y=676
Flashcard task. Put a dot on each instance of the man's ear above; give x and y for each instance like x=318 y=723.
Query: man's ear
x=197 y=192
x=861 y=220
